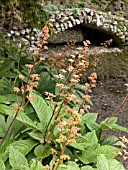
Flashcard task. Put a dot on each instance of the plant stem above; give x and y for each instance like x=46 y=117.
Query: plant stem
x=119 y=108
x=61 y=153
x=49 y=136
x=62 y=150
x=9 y=127
x=50 y=121
x=18 y=110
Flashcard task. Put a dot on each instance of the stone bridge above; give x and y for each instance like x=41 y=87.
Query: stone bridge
x=101 y=25
x=78 y=24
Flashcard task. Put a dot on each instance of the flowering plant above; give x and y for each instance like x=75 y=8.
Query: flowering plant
x=53 y=129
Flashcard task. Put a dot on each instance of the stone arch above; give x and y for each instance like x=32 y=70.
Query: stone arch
x=106 y=23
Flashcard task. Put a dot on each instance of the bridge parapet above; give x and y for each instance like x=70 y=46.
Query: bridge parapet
x=111 y=24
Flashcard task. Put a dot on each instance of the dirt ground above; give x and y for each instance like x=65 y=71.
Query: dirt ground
x=106 y=97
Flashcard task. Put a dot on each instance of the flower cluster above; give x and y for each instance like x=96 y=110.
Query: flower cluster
x=107 y=43
x=68 y=133
x=124 y=147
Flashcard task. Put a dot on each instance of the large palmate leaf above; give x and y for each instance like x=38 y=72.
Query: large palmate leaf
x=89 y=120
x=38 y=135
x=87 y=142
x=46 y=83
x=3 y=99
x=42 y=109
x=111 y=124
x=108 y=164
x=115 y=165
x=91 y=156
x=22 y=117
x=17 y=160
x=13 y=97
x=70 y=165
x=2 y=166
x=24 y=146
x=36 y=165
x=88 y=168
x=6 y=66
x=79 y=146
x=38 y=151
x=102 y=163
x=111 y=121
x=3 y=126
x=109 y=139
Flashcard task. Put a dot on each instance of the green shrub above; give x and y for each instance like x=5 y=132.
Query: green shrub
x=45 y=121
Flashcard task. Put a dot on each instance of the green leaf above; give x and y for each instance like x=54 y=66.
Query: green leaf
x=27 y=121
x=24 y=146
x=109 y=139
x=72 y=165
x=43 y=110
x=4 y=152
x=108 y=125
x=3 y=126
x=111 y=124
x=7 y=65
x=102 y=163
x=90 y=156
x=89 y=120
x=108 y=164
x=36 y=135
x=46 y=83
x=120 y=128
x=108 y=151
x=87 y=168
x=2 y=166
x=89 y=117
x=3 y=99
x=79 y=146
x=17 y=160
x=38 y=150
x=22 y=117
x=115 y=165
x=91 y=140
x=2 y=108
x=84 y=143
x=69 y=166
x=36 y=165
x=9 y=74
x=13 y=97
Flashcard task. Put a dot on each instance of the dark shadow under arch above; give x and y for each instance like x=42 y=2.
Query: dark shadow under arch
x=98 y=35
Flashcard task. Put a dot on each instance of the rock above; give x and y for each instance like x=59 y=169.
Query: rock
x=70 y=25
x=22 y=32
x=62 y=27
x=12 y=32
x=66 y=25
x=52 y=20
x=115 y=23
x=89 y=19
x=57 y=25
x=77 y=21
x=9 y=35
x=17 y=33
